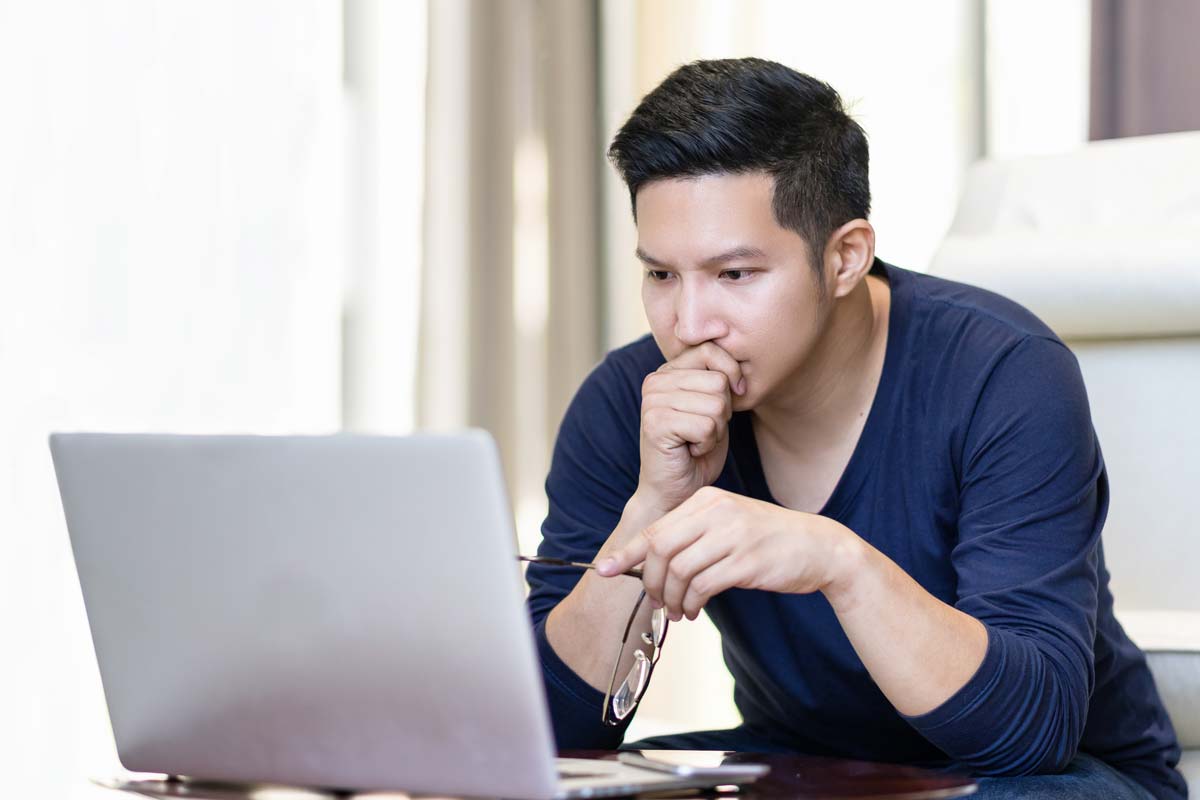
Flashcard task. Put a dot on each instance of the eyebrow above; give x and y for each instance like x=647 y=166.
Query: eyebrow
x=729 y=255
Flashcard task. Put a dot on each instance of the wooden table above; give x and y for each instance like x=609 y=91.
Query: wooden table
x=798 y=777
x=792 y=777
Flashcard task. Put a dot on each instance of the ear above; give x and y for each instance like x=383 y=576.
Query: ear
x=849 y=254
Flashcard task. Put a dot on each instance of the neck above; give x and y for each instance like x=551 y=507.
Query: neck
x=836 y=384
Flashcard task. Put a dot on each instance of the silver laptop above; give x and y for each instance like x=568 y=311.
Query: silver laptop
x=328 y=611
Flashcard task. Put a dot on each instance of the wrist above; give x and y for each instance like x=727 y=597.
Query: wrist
x=849 y=562
x=645 y=504
x=641 y=511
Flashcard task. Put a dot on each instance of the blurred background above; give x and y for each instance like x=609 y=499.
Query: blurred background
x=311 y=216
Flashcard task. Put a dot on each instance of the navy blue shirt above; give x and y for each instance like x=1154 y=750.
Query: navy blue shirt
x=978 y=472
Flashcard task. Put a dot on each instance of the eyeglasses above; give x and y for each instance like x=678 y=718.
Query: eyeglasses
x=620 y=700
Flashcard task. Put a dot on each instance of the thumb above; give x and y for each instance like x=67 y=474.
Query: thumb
x=623 y=559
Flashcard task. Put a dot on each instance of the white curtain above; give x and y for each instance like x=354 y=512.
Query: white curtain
x=509 y=319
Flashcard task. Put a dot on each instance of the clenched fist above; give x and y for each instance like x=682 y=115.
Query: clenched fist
x=686 y=407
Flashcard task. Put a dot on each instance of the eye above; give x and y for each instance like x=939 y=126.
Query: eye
x=657 y=275
x=736 y=275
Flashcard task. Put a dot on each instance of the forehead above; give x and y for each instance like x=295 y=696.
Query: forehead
x=694 y=217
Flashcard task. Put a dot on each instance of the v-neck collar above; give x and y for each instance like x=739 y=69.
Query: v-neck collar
x=744 y=447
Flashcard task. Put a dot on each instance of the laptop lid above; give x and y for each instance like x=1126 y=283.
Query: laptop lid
x=335 y=611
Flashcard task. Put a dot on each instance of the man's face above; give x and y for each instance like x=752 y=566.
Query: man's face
x=719 y=268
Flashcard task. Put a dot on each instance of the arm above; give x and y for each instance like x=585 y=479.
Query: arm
x=919 y=650
x=620 y=462
x=586 y=626
x=1033 y=495
x=593 y=475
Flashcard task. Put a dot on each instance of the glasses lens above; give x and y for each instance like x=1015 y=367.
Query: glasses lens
x=658 y=628
x=639 y=652
x=632 y=688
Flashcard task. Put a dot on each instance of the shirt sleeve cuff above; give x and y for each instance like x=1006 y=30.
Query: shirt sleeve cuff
x=968 y=697
x=1009 y=718
x=575 y=705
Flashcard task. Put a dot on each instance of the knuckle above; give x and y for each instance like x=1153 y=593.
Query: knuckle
x=714 y=499
x=717 y=381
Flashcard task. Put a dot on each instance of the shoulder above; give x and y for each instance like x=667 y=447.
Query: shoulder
x=951 y=307
x=957 y=335
x=980 y=362
x=617 y=379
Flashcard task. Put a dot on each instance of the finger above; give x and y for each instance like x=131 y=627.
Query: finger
x=707 y=551
x=636 y=551
x=677 y=529
x=703 y=404
x=667 y=380
x=699 y=449
x=627 y=557
x=711 y=356
x=669 y=429
x=716 y=578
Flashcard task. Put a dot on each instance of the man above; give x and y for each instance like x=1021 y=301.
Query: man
x=884 y=488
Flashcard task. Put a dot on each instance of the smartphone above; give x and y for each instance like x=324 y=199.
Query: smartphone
x=692 y=764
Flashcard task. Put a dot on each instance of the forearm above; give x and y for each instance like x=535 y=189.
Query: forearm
x=918 y=649
x=586 y=626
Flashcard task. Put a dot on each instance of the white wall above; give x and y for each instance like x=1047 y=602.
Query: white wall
x=1038 y=68
x=170 y=257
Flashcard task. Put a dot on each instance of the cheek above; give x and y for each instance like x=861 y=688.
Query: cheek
x=660 y=317
x=767 y=326
x=782 y=335
x=787 y=336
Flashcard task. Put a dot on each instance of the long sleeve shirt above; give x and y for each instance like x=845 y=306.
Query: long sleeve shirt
x=979 y=473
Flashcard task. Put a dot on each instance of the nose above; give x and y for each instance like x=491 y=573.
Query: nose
x=697 y=317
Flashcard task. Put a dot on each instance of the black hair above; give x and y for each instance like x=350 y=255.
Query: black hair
x=748 y=115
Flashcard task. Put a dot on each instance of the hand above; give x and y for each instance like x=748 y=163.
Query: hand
x=718 y=540
x=686 y=407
